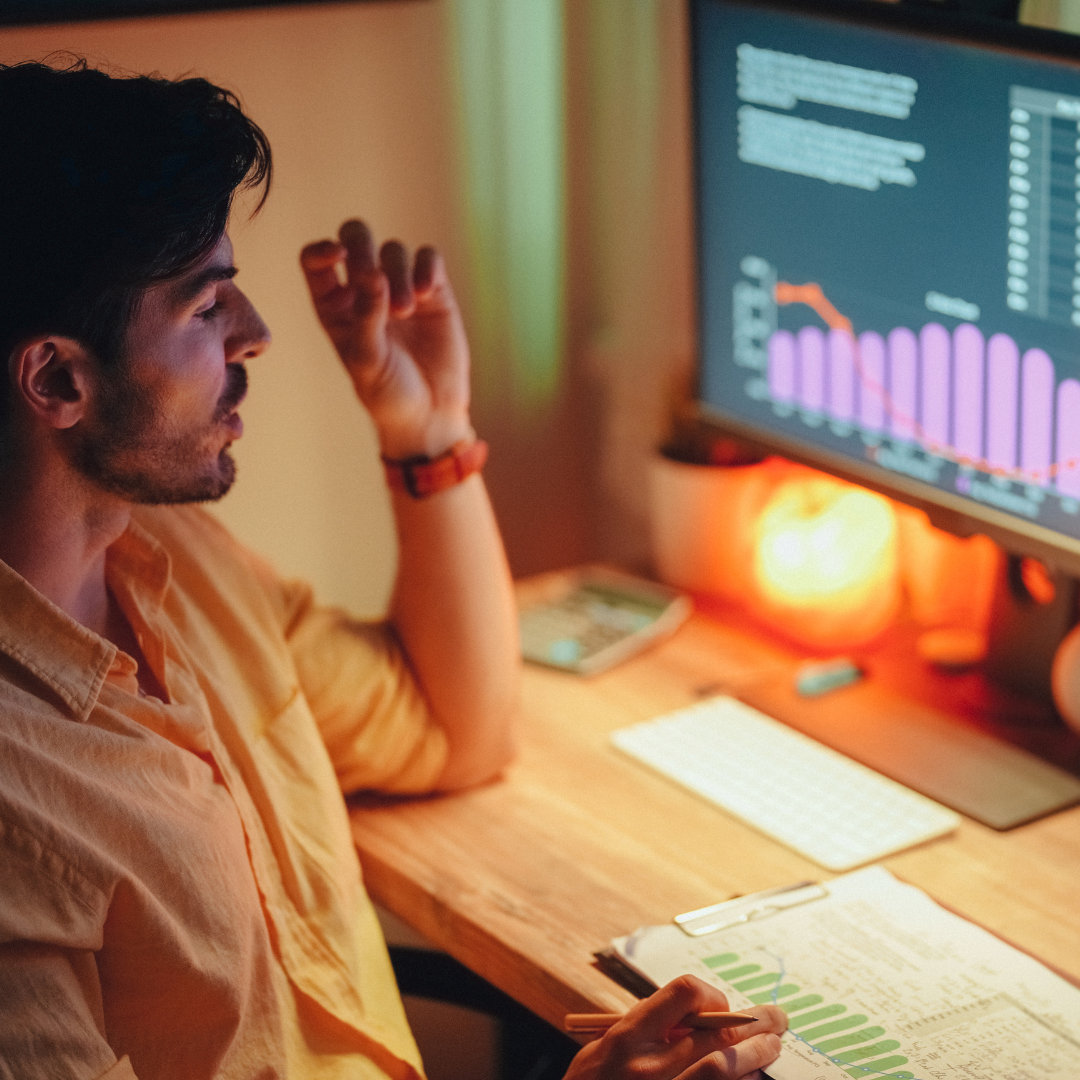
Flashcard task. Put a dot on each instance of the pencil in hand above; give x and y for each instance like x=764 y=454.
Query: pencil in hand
x=590 y=1023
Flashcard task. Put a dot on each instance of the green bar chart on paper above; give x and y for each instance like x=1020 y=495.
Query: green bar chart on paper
x=844 y=1037
x=877 y=980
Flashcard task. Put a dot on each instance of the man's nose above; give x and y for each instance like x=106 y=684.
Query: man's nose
x=251 y=336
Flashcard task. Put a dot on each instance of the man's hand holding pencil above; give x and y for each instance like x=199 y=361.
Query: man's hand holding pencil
x=682 y=1032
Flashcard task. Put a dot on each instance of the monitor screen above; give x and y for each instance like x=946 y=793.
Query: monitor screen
x=888 y=230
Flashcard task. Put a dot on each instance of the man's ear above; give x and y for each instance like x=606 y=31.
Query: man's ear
x=52 y=376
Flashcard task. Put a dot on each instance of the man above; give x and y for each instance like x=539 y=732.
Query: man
x=179 y=895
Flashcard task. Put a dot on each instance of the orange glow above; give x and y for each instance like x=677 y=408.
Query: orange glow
x=826 y=564
x=948 y=580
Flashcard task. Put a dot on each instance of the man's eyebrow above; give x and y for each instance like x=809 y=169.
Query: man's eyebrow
x=187 y=289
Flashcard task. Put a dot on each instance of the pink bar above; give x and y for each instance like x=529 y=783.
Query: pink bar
x=903 y=363
x=1068 y=438
x=967 y=398
x=782 y=367
x=811 y=353
x=871 y=382
x=1002 y=402
x=841 y=380
x=1036 y=415
x=935 y=351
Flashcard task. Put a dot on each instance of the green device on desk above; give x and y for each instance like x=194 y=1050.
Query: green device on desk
x=599 y=619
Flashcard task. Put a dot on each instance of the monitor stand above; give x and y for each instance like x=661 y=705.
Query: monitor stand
x=999 y=756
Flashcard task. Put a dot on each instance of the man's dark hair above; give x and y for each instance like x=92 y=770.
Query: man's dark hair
x=108 y=185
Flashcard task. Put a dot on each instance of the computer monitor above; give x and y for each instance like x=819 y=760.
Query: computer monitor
x=888 y=247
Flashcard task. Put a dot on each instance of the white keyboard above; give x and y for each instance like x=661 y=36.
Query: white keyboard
x=794 y=789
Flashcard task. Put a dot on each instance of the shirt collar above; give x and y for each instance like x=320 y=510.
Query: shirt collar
x=138 y=563
x=69 y=659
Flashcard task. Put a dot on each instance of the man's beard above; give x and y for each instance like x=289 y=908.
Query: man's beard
x=125 y=450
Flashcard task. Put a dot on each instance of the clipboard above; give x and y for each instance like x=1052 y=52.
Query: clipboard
x=711 y=919
x=750 y=906
x=877 y=978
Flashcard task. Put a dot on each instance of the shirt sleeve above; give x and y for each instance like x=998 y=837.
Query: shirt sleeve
x=373 y=717
x=353 y=673
x=50 y=1022
x=51 y=1015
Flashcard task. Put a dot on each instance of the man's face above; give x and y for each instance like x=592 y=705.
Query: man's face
x=163 y=419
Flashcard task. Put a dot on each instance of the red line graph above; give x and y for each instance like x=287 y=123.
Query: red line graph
x=813 y=296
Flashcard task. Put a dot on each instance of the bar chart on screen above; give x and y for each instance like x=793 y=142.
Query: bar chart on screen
x=974 y=399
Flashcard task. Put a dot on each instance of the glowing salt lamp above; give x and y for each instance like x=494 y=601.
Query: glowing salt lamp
x=826 y=568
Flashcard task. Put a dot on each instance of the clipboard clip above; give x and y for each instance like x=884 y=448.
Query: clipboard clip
x=743 y=909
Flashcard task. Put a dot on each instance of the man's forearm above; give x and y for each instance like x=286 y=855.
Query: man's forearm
x=453 y=608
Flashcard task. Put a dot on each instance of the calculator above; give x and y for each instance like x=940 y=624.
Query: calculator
x=599 y=619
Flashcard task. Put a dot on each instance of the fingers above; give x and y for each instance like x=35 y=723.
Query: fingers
x=394 y=322
x=428 y=275
x=363 y=269
x=730 y=1054
x=651 y=1042
x=368 y=272
x=394 y=260
x=770 y=1018
x=348 y=291
x=359 y=246
x=736 y=1062
x=323 y=260
x=319 y=262
x=675 y=1001
x=752 y=1047
x=661 y=1014
x=429 y=272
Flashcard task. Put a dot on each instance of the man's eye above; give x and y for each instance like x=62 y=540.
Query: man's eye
x=210 y=312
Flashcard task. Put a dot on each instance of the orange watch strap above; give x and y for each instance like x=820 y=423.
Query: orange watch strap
x=423 y=476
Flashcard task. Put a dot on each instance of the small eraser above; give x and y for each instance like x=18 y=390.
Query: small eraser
x=821 y=676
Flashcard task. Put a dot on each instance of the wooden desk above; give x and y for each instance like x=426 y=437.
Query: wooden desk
x=524 y=879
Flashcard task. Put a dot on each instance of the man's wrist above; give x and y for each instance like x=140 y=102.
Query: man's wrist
x=431 y=440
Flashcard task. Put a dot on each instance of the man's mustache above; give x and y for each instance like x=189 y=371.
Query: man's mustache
x=236 y=378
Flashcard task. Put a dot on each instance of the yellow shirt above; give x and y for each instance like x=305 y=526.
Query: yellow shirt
x=179 y=893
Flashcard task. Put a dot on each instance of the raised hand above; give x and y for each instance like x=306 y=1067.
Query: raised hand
x=395 y=324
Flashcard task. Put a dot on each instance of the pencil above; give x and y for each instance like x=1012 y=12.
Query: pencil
x=592 y=1022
